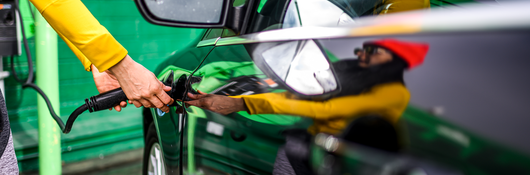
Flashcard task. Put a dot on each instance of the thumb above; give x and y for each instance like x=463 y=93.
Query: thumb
x=95 y=70
x=164 y=87
x=194 y=96
x=193 y=103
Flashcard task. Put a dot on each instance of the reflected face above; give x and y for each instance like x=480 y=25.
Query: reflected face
x=372 y=56
x=357 y=52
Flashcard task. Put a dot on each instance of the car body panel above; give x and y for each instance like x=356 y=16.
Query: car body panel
x=240 y=143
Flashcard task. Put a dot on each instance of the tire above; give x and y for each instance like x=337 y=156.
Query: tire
x=153 y=161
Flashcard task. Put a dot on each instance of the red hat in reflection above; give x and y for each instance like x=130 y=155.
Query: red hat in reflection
x=412 y=52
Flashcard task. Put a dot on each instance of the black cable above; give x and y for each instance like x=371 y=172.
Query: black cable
x=29 y=80
x=26 y=45
x=48 y=103
x=74 y=116
x=200 y=64
x=31 y=11
x=14 y=72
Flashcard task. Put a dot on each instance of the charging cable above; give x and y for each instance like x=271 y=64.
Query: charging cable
x=29 y=81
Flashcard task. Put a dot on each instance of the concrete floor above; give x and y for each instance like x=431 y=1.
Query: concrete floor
x=128 y=162
x=133 y=168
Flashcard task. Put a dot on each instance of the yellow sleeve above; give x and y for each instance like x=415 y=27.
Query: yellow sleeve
x=394 y=6
x=380 y=98
x=89 y=40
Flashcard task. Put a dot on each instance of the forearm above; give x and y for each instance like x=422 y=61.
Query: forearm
x=279 y=103
x=274 y=103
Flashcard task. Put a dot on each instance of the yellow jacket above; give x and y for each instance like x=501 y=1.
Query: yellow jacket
x=89 y=40
x=394 y=6
x=332 y=116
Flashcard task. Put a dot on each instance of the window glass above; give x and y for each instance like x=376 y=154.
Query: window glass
x=213 y=33
x=477 y=81
x=277 y=14
x=228 y=32
x=291 y=16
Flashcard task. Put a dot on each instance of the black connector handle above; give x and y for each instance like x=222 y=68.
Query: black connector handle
x=112 y=98
x=99 y=102
x=105 y=100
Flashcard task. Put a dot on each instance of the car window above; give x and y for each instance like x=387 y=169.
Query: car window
x=212 y=33
x=215 y=33
x=477 y=81
x=278 y=14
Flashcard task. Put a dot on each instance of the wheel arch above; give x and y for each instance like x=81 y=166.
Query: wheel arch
x=147 y=119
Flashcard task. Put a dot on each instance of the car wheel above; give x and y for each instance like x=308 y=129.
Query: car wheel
x=153 y=162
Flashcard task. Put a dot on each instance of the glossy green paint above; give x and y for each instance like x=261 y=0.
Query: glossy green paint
x=261 y=4
x=463 y=150
x=444 y=3
x=221 y=71
x=258 y=152
x=98 y=134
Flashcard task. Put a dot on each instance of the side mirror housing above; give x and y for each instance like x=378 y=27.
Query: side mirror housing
x=302 y=67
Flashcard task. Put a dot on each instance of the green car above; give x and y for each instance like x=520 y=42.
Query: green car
x=468 y=100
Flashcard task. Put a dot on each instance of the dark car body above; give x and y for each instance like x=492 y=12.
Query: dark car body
x=466 y=113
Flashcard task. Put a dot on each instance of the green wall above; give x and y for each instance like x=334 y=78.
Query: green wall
x=94 y=134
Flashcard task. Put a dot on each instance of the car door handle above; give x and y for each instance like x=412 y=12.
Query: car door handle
x=236 y=137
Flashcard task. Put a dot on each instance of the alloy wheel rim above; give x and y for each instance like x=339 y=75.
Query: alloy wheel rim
x=155 y=162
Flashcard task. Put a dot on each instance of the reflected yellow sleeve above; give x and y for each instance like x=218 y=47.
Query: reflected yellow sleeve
x=392 y=95
x=89 y=40
x=394 y=6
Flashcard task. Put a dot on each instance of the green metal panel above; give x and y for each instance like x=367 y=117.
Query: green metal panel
x=94 y=134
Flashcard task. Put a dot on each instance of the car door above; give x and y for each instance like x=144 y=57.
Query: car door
x=226 y=144
x=171 y=128
x=249 y=143
x=215 y=142
x=204 y=143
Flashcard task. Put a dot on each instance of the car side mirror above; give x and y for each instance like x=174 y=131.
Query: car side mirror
x=185 y=13
x=300 y=66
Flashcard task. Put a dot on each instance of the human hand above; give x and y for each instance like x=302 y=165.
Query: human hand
x=140 y=85
x=106 y=82
x=217 y=103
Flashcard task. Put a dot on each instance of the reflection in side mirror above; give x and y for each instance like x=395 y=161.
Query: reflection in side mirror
x=185 y=13
x=191 y=11
x=302 y=66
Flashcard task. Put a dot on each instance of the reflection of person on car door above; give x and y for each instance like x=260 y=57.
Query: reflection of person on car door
x=373 y=84
x=379 y=88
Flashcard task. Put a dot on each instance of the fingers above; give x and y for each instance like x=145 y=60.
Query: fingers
x=162 y=95
x=164 y=98
x=200 y=92
x=193 y=103
x=144 y=89
x=123 y=104
x=158 y=104
x=164 y=87
x=94 y=70
x=117 y=108
x=192 y=96
x=141 y=102
x=196 y=96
